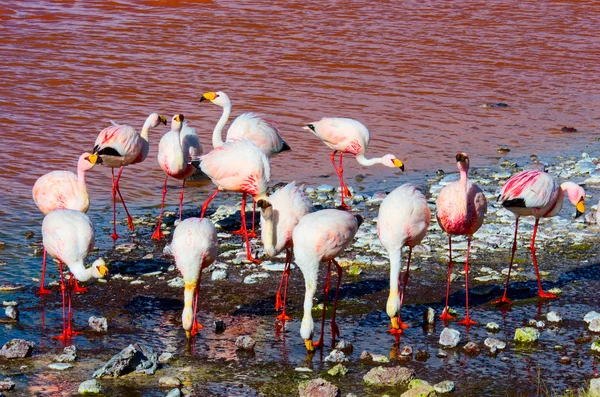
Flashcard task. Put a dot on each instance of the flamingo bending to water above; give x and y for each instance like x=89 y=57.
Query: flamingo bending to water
x=348 y=136
x=194 y=247
x=461 y=207
x=403 y=221
x=68 y=236
x=279 y=216
x=321 y=236
x=63 y=190
x=536 y=193
x=177 y=148
x=119 y=146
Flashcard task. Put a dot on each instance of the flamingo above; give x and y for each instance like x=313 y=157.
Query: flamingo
x=279 y=216
x=321 y=236
x=403 y=220
x=536 y=193
x=68 y=236
x=461 y=207
x=263 y=133
x=66 y=190
x=119 y=146
x=237 y=166
x=194 y=247
x=175 y=151
x=348 y=136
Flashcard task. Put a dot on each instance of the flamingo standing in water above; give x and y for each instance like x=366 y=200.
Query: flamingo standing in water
x=175 y=151
x=279 y=216
x=194 y=247
x=237 y=166
x=348 y=136
x=263 y=133
x=63 y=190
x=403 y=221
x=68 y=236
x=461 y=207
x=536 y=193
x=321 y=236
x=119 y=146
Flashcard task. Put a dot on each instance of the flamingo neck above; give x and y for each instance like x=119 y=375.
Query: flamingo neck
x=81 y=179
x=393 y=306
x=80 y=272
x=145 y=141
x=217 y=138
x=268 y=234
x=188 y=313
x=368 y=162
x=464 y=178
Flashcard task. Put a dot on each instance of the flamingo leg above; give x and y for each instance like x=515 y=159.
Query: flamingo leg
x=286 y=275
x=114 y=236
x=403 y=325
x=64 y=336
x=541 y=292
x=253 y=232
x=77 y=288
x=242 y=227
x=335 y=331
x=205 y=205
x=196 y=326
x=129 y=220
x=158 y=234
x=248 y=253
x=340 y=172
x=467 y=321
x=325 y=293
x=42 y=290
x=445 y=315
x=181 y=200
x=504 y=299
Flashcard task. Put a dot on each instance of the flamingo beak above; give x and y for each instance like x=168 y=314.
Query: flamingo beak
x=162 y=119
x=580 y=207
x=398 y=164
x=208 y=96
x=188 y=334
x=395 y=324
x=103 y=270
x=94 y=158
x=461 y=157
x=309 y=345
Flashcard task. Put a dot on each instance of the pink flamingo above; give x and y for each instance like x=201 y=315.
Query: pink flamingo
x=119 y=146
x=461 y=207
x=264 y=134
x=237 y=166
x=536 y=193
x=63 y=190
x=68 y=236
x=279 y=216
x=348 y=136
x=321 y=236
x=194 y=247
x=403 y=221
x=175 y=151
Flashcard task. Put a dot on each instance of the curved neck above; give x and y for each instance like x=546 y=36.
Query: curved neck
x=368 y=162
x=395 y=259
x=268 y=233
x=80 y=272
x=464 y=178
x=81 y=179
x=145 y=130
x=217 y=138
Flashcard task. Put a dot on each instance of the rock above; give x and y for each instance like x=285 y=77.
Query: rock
x=594 y=389
x=379 y=358
x=538 y=324
x=429 y=316
x=416 y=383
x=449 y=338
x=494 y=344
x=253 y=278
x=344 y=346
x=336 y=356
x=407 y=351
x=169 y=381
x=16 y=348
x=12 y=312
x=492 y=327
x=174 y=393
x=218 y=274
x=219 y=327
x=6 y=385
x=421 y=391
x=69 y=355
x=165 y=357
x=441 y=354
x=137 y=357
x=526 y=335
x=176 y=282
x=594 y=325
x=11 y=287
x=90 y=387
x=338 y=370
x=472 y=348
x=245 y=342
x=565 y=360
x=596 y=346
x=444 y=387
x=366 y=356
x=568 y=129
x=590 y=316
x=553 y=317
x=318 y=388
x=9 y=303
x=422 y=355
x=302 y=369
x=388 y=376
x=60 y=366
x=98 y=324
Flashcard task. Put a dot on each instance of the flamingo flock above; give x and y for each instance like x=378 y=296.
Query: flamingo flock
x=289 y=222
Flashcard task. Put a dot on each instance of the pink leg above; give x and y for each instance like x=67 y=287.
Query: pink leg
x=158 y=234
x=445 y=315
x=340 y=172
x=402 y=324
x=504 y=299
x=325 y=293
x=541 y=292
x=77 y=288
x=467 y=321
x=286 y=275
x=114 y=236
x=335 y=331
x=64 y=336
x=181 y=200
x=196 y=326
x=70 y=312
x=42 y=290
x=129 y=220
x=205 y=205
x=249 y=254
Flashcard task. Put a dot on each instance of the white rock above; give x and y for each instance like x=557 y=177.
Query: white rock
x=90 y=387
x=553 y=317
x=336 y=356
x=253 y=278
x=494 y=344
x=590 y=316
x=59 y=366
x=218 y=274
x=177 y=282
x=449 y=337
x=594 y=325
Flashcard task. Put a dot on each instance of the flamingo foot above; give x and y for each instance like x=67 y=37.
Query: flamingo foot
x=130 y=224
x=502 y=301
x=344 y=207
x=114 y=236
x=446 y=316
x=64 y=337
x=78 y=290
x=283 y=317
x=73 y=333
x=335 y=331
x=547 y=295
x=196 y=327
x=158 y=234
x=467 y=321
x=278 y=301
x=241 y=231
x=43 y=291
x=319 y=343
x=254 y=260
x=395 y=332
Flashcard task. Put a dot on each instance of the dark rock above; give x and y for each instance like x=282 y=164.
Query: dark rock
x=219 y=326
x=136 y=357
x=472 y=348
x=318 y=388
x=16 y=348
x=98 y=324
x=29 y=235
x=245 y=342
x=568 y=129
x=502 y=150
x=7 y=384
x=422 y=355
x=344 y=346
x=389 y=376
x=565 y=360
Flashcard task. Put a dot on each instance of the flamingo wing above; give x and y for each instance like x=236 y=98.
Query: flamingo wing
x=528 y=189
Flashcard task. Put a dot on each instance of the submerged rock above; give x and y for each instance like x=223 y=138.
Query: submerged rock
x=90 y=387
x=494 y=344
x=388 y=376
x=98 y=324
x=449 y=337
x=338 y=370
x=422 y=355
x=16 y=348
x=444 y=387
x=318 y=388
x=472 y=348
x=12 y=312
x=174 y=393
x=137 y=357
x=526 y=335
x=169 y=381
x=69 y=355
x=60 y=366
x=553 y=317
x=245 y=342
x=336 y=356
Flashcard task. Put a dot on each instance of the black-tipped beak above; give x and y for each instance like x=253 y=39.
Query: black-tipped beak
x=202 y=99
x=578 y=214
x=195 y=163
x=461 y=157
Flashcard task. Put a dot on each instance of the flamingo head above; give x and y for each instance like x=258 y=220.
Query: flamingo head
x=176 y=122
x=87 y=161
x=576 y=196
x=99 y=269
x=389 y=160
x=462 y=162
x=219 y=98
x=155 y=119
x=306 y=332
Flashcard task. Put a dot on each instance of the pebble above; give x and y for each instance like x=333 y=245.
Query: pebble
x=421 y=355
x=492 y=327
x=336 y=356
x=218 y=274
x=302 y=369
x=169 y=381
x=594 y=325
x=60 y=366
x=494 y=344
x=176 y=282
x=553 y=317
x=12 y=312
x=526 y=335
x=98 y=324
x=590 y=316
x=151 y=274
x=472 y=348
x=565 y=360
x=136 y=282
x=245 y=342
x=446 y=386
x=253 y=278
x=90 y=387
x=449 y=338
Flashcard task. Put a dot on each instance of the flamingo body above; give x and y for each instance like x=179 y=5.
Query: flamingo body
x=177 y=148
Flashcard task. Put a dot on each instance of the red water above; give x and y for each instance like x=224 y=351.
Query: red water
x=415 y=73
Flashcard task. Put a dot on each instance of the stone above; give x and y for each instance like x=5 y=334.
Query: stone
x=174 y=393
x=444 y=387
x=338 y=370
x=472 y=348
x=218 y=274
x=302 y=369
x=344 y=346
x=176 y=282
x=449 y=338
x=553 y=317
x=12 y=312
x=594 y=325
x=422 y=355
x=11 y=287
x=416 y=383
x=429 y=316
x=388 y=376
x=421 y=391
x=245 y=342
x=594 y=389
x=165 y=357
x=406 y=351
x=366 y=356
x=565 y=360
x=60 y=366
x=596 y=346
x=494 y=344
x=98 y=324
x=90 y=387
x=590 y=316
x=16 y=348
x=526 y=335
x=492 y=327
x=69 y=355
x=6 y=385
x=318 y=388
x=169 y=381
x=137 y=357
x=219 y=327
x=253 y=278
x=379 y=358
x=336 y=356
x=441 y=354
